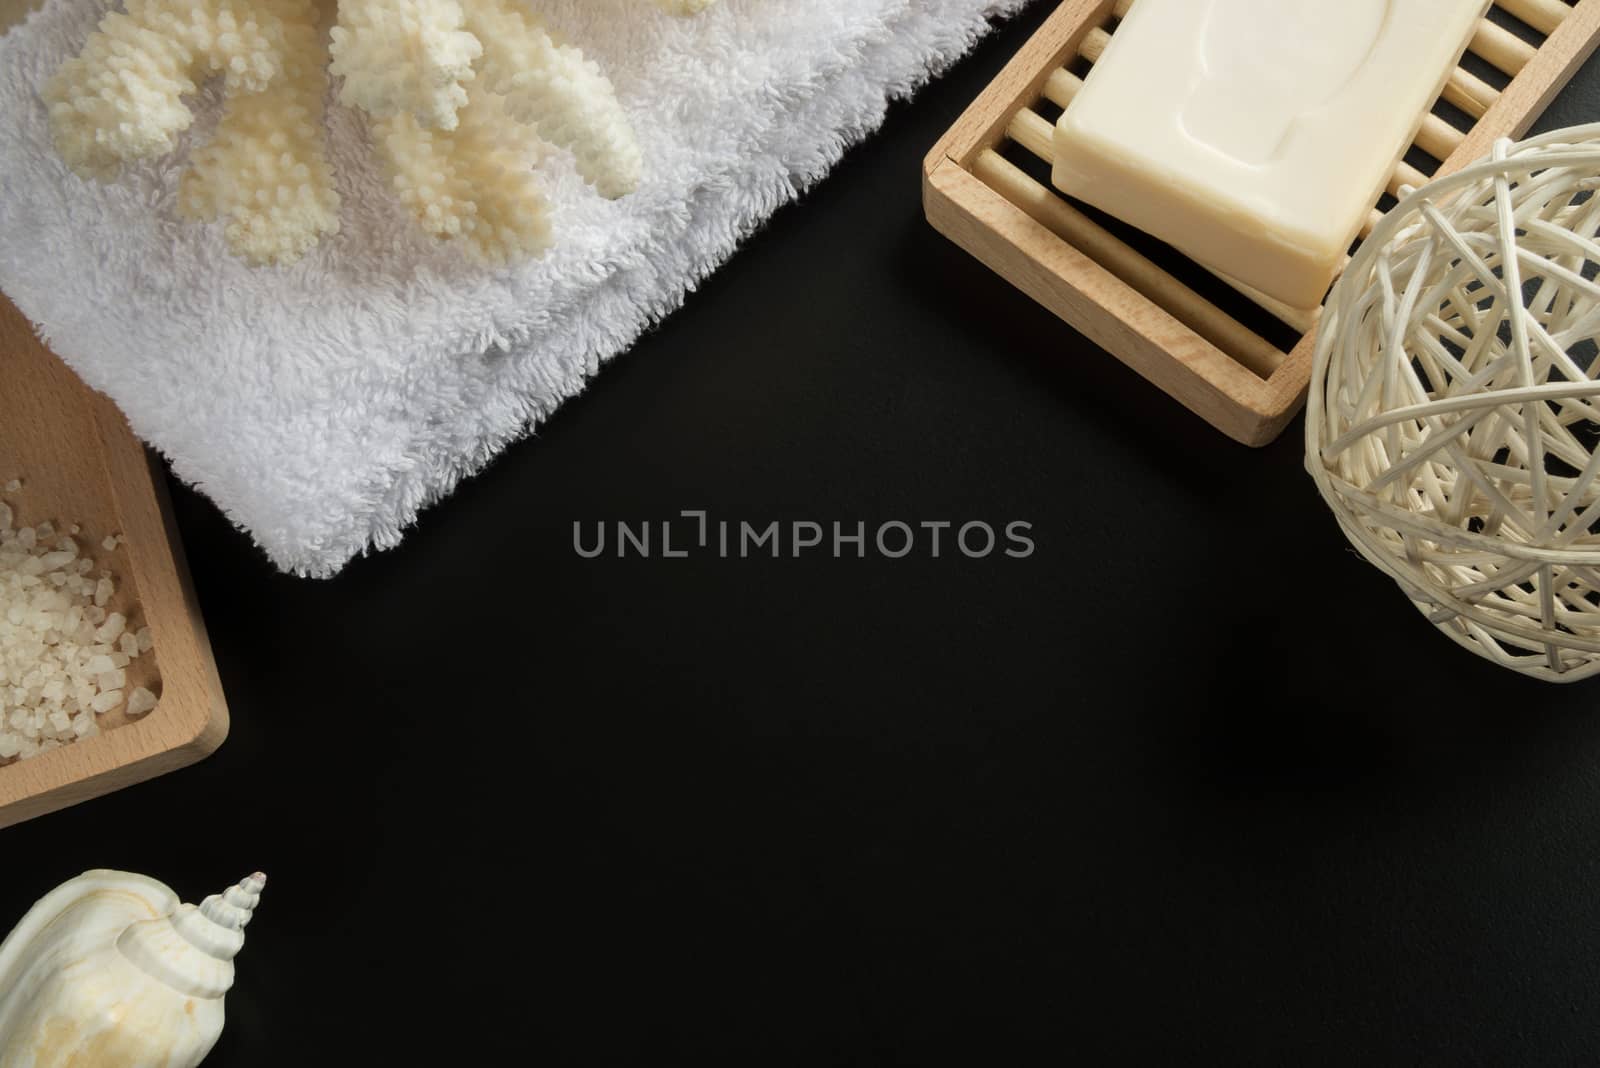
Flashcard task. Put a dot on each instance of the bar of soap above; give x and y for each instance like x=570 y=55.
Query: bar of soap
x=1255 y=135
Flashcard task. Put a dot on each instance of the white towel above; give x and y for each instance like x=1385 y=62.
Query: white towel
x=323 y=405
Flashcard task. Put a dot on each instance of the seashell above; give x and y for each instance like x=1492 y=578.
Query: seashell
x=110 y=970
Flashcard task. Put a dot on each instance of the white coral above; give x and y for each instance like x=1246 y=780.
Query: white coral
x=474 y=182
x=404 y=56
x=461 y=91
x=565 y=96
x=265 y=171
x=121 y=98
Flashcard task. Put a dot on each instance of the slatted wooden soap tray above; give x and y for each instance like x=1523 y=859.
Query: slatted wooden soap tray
x=80 y=464
x=1232 y=356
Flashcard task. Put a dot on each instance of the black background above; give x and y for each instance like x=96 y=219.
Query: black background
x=1192 y=783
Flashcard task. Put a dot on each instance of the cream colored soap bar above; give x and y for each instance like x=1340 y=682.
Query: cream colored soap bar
x=1255 y=135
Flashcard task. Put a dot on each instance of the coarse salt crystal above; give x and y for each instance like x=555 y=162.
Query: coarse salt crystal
x=112 y=629
x=64 y=656
x=141 y=701
x=57 y=560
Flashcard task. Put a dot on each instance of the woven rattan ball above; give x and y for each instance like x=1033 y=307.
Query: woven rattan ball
x=1454 y=411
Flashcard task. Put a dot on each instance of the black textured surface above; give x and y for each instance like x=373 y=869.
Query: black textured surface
x=1190 y=784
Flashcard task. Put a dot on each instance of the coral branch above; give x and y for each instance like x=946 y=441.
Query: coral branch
x=564 y=95
x=475 y=183
x=463 y=93
x=121 y=98
x=404 y=56
x=265 y=171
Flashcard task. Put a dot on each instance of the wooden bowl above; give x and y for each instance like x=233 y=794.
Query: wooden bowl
x=79 y=463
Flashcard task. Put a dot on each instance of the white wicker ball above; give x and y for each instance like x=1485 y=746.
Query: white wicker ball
x=1454 y=411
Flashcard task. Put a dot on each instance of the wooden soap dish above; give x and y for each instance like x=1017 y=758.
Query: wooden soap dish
x=1236 y=358
x=80 y=464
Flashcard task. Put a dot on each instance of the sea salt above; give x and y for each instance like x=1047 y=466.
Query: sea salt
x=66 y=659
x=112 y=629
x=141 y=701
